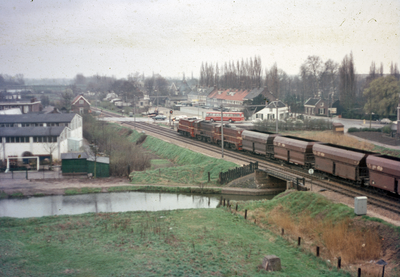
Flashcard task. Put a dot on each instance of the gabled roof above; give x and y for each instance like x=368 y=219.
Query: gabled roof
x=37 y=118
x=229 y=94
x=312 y=102
x=273 y=104
x=78 y=97
x=254 y=93
x=31 y=131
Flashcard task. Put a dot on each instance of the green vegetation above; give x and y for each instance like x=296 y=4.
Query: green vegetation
x=387 y=151
x=90 y=190
x=192 y=167
x=115 y=142
x=166 y=189
x=159 y=163
x=206 y=242
x=72 y=191
x=3 y=195
x=17 y=195
x=298 y=203
x=354 y=129
x=81 y=191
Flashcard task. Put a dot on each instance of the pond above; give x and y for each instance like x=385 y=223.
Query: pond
x=108 y=202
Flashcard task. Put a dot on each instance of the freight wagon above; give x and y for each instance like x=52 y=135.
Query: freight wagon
x=384 y=172
x=344 y=162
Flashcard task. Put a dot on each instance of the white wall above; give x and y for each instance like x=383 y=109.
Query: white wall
x=36 y=148
x=283 y=113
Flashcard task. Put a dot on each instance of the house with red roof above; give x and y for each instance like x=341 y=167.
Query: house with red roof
x=231 y=98
x=80 y=105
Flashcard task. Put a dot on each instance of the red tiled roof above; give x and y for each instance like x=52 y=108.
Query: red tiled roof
x=238 y=94
x=77 y=98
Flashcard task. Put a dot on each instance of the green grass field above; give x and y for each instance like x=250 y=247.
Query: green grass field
x=206 y=242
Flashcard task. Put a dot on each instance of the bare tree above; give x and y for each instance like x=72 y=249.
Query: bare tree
x=50 y=144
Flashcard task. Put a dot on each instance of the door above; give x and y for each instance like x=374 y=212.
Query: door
x=334 y=169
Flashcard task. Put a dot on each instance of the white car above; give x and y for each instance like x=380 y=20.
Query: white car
x=386 y=121
x=160 y=117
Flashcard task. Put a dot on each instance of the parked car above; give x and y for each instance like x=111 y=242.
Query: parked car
x=160 y=117
x=386 y=121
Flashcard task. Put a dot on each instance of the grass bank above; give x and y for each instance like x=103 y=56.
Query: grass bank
x=206 y=242
x=189 y=168
x=200 y=190
x=333 y=227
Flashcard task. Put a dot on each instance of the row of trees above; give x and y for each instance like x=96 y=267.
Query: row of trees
x=7 y=80
x=134 y=85
x=317 y=78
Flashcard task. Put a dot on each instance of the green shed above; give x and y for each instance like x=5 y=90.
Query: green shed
x=82 y=163
x=102 y=166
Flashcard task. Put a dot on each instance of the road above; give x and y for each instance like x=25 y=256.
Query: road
x=200 y=112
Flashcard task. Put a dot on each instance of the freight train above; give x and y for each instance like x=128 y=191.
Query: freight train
x=360 y=167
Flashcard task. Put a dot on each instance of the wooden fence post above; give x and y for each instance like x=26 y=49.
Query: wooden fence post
x=339 y=262
x=245 y=214
x=209 y=176
x=317 y=251
x=298 y=241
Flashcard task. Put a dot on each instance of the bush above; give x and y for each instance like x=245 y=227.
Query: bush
x=354 y=129
x=387 y=129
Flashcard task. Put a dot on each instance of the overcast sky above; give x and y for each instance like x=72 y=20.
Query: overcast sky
x=59 y=39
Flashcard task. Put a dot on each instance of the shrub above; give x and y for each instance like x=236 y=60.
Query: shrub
x=387 y=129
x=354 y=129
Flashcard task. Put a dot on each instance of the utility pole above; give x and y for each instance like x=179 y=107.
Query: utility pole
x=222 y=131
x=134 y=110
x=276 y=119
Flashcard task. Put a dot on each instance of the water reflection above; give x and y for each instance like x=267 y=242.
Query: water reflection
x=110 y=202
x=102 y=202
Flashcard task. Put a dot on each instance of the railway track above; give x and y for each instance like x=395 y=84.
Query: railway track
x=386 y=202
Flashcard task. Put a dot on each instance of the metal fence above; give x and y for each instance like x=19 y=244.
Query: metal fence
x=31 y=174
x=42 y=174
x=225 y=177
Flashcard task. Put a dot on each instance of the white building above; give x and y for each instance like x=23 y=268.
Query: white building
x=269 y=112
x=40 y=134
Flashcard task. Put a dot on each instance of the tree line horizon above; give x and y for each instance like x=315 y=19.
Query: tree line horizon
x=328 y=80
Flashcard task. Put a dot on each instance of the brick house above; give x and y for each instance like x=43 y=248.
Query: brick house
x=316 y=106
x=80 y=105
